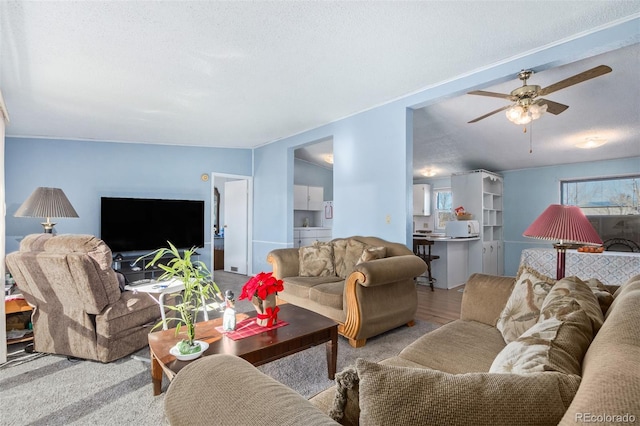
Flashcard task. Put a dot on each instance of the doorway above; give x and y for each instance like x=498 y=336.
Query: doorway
x=232 y=205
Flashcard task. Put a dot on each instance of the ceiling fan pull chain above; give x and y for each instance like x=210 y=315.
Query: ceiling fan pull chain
x=531 y=137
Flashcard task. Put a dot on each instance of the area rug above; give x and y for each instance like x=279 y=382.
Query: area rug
x=52 y=390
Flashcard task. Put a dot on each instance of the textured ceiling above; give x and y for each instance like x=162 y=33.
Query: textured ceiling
x=242 y=74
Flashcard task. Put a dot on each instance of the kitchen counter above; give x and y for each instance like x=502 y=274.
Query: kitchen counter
x=452 y=269
x=444 y=238
x=302 y=228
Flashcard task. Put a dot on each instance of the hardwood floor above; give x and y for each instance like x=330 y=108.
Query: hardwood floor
x=439 y=306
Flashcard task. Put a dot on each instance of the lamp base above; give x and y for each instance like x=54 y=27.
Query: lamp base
x=562 y=252
x=48 y=227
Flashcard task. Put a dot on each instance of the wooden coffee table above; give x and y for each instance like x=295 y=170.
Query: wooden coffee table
x=305 y=330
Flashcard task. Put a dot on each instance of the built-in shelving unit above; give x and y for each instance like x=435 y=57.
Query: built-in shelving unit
x=480 y=193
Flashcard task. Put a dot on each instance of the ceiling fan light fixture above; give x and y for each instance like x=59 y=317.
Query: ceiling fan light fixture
x=519 y=114
x=591 y=142
x=328 y=158
x=537 y=110
x=429 y=173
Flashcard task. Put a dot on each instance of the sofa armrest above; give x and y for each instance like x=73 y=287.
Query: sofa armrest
x=285 y=262
x=390 y=269
x=227 y=390
x=484 y=298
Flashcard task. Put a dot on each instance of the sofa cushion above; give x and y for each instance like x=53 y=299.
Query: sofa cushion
x=557 y=344
x=457 y=347
x=523 y=307
x=317 y=260
x=372 y=253
x=347 y=252
x=328 y=294
x=300 y=286
x=401 y=396
x=572 y=289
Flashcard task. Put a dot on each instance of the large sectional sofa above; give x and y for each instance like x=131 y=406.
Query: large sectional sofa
x=522 y=353
x=365 y=284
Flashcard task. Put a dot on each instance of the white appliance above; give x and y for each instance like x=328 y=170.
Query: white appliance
x=462 y=228
x=327 y=214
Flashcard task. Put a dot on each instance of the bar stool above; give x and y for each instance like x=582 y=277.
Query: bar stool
x=422 y=249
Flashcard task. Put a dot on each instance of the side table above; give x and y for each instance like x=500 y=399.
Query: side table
x=13 y=305
x=163 y=288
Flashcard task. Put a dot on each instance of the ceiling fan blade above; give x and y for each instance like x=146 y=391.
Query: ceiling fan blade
x=488 y=114
x=552 y=107
x=491 y=94
x=578 y=78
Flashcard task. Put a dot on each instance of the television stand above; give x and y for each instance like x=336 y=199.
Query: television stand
x=135 y=271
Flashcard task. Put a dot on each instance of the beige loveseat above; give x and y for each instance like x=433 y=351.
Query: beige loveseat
x=364 y=283
x=443 y=377
x=78 y=308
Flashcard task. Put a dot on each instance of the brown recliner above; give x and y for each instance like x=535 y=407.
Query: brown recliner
x=78 y=309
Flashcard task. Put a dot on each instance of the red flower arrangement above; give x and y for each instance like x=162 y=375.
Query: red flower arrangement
x=261 y=290
x=261 y=286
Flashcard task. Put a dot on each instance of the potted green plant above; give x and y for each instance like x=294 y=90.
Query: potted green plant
x=198 y=287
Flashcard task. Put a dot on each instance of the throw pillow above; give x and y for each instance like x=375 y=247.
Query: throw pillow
x=372 y=253
x=605 y=299
x=523 y=307
x=573 y=289
x=554 y=344
x=347 y=253
x=317 y=260
x=391 y=395
x=346 y=380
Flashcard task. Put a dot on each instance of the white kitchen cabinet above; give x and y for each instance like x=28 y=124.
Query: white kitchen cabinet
x=307 y=236
x=308 y=197
x=480 y=193
x=422 y=199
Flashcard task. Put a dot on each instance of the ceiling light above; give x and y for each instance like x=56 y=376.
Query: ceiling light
x=591 y=142
x=429 y=173
x=524 y=114
x=328 y=158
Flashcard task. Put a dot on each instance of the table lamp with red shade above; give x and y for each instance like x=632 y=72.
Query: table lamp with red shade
x=566 y=224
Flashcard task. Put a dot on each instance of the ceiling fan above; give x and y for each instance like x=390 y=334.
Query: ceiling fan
x=527 y=105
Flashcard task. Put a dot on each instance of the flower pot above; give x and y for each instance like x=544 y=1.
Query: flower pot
x=188 y=357
x=267 y=310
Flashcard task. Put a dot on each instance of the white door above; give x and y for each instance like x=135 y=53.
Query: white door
x=235 y=226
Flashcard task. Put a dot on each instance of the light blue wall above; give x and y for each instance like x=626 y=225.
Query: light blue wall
x=88 y=170
x=371 y=180
x=528 y=192
x=305 y=173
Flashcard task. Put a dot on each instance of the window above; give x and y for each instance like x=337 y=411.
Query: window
x=443 y=207
x=611 y=204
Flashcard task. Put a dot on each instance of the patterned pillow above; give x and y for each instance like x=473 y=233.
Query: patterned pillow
x=523 y=307
x=347 y=252
x=317 y=260
x=557 y=343
x=372 y=253
x=391 y=395
x=573 y=289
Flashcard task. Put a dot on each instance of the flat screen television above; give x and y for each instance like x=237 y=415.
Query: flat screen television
x=145 y=224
